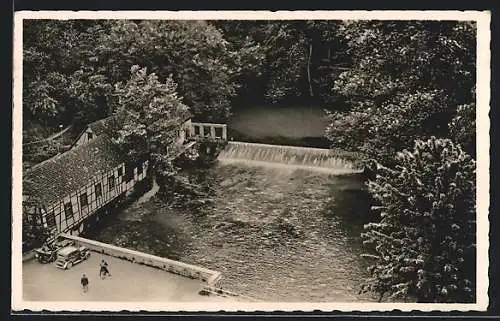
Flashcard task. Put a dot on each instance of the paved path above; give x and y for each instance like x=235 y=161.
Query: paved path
x=129 y=282
x=147 y=196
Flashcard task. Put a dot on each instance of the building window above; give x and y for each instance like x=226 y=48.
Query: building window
x=68 y=210
x=51 y=219
x=207 y=131
x=84 y=201
x=218 y=132
x=90 y=136
x=139 y=169
x=129 y=172
x=196 y=130
x=111 y=182
x=98 y=190
x=120 y=175
x=30 y=219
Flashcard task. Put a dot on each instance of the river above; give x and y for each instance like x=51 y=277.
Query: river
x=276 y=233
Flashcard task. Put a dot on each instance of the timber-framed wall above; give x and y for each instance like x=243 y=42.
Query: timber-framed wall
x=69 y=213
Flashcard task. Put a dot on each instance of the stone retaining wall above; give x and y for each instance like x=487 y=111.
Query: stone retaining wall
x=208 y=278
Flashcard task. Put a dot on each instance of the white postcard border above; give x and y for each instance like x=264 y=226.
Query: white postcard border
x=483 y=144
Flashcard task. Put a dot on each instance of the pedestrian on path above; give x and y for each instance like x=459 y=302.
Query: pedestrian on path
x=104 y=269
x=85 y=283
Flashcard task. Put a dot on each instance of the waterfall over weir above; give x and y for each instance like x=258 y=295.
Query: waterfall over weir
x=316 y=159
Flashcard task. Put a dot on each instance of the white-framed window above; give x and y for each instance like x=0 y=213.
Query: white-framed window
x=84 y=200
x=51 y=219
x=68 y=210
x=111 y=182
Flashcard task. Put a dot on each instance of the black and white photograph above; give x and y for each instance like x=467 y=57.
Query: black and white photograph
x=231 y=160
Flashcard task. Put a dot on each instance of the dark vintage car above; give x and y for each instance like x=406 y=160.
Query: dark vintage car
x=71 y=255
x=48 y=252
x=45 y=254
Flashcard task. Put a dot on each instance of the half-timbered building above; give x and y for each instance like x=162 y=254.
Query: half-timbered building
x=64 y=192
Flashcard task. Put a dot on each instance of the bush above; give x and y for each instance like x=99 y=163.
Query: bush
x=34 y=235
x=424 y=243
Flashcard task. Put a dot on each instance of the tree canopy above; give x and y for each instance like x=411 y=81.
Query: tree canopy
x=287 y=61
x=151 y=114
x=71 y=67
x=412 y=85
x=406 y=82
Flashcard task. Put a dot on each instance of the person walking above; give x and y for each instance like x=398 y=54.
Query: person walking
x=101 y=269
x=104 y=269
x=85 y=283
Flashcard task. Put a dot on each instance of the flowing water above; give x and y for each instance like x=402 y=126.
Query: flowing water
x=276 y=233
x=283 y=225
x=297 y=157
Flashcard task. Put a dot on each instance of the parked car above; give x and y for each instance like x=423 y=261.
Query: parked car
x=71 y=255
x=48 y=252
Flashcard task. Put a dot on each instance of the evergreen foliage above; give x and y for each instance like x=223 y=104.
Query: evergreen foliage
x=463 y=128
x=424 y=243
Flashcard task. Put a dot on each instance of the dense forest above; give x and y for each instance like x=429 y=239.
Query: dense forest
x=402 y=94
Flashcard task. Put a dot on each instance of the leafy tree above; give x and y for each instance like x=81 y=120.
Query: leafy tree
x=245 y=41
x=194 y=53
x=424 y=243
x=463 y=128
x=283 y=61
x=61 y=85
x=70 y=67
x=287 y=60
x=406 y=81
x=150 y=114
x=380 y=131
x=34 y=234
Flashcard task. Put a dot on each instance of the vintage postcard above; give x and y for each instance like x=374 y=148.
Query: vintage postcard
x=251 y=161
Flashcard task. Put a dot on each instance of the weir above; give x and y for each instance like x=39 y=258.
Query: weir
x=294 y=156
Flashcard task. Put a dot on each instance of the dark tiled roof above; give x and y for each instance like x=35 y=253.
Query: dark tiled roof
x=105 y=125
x=113 y=123
x=185 y=115
x=66 y=173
